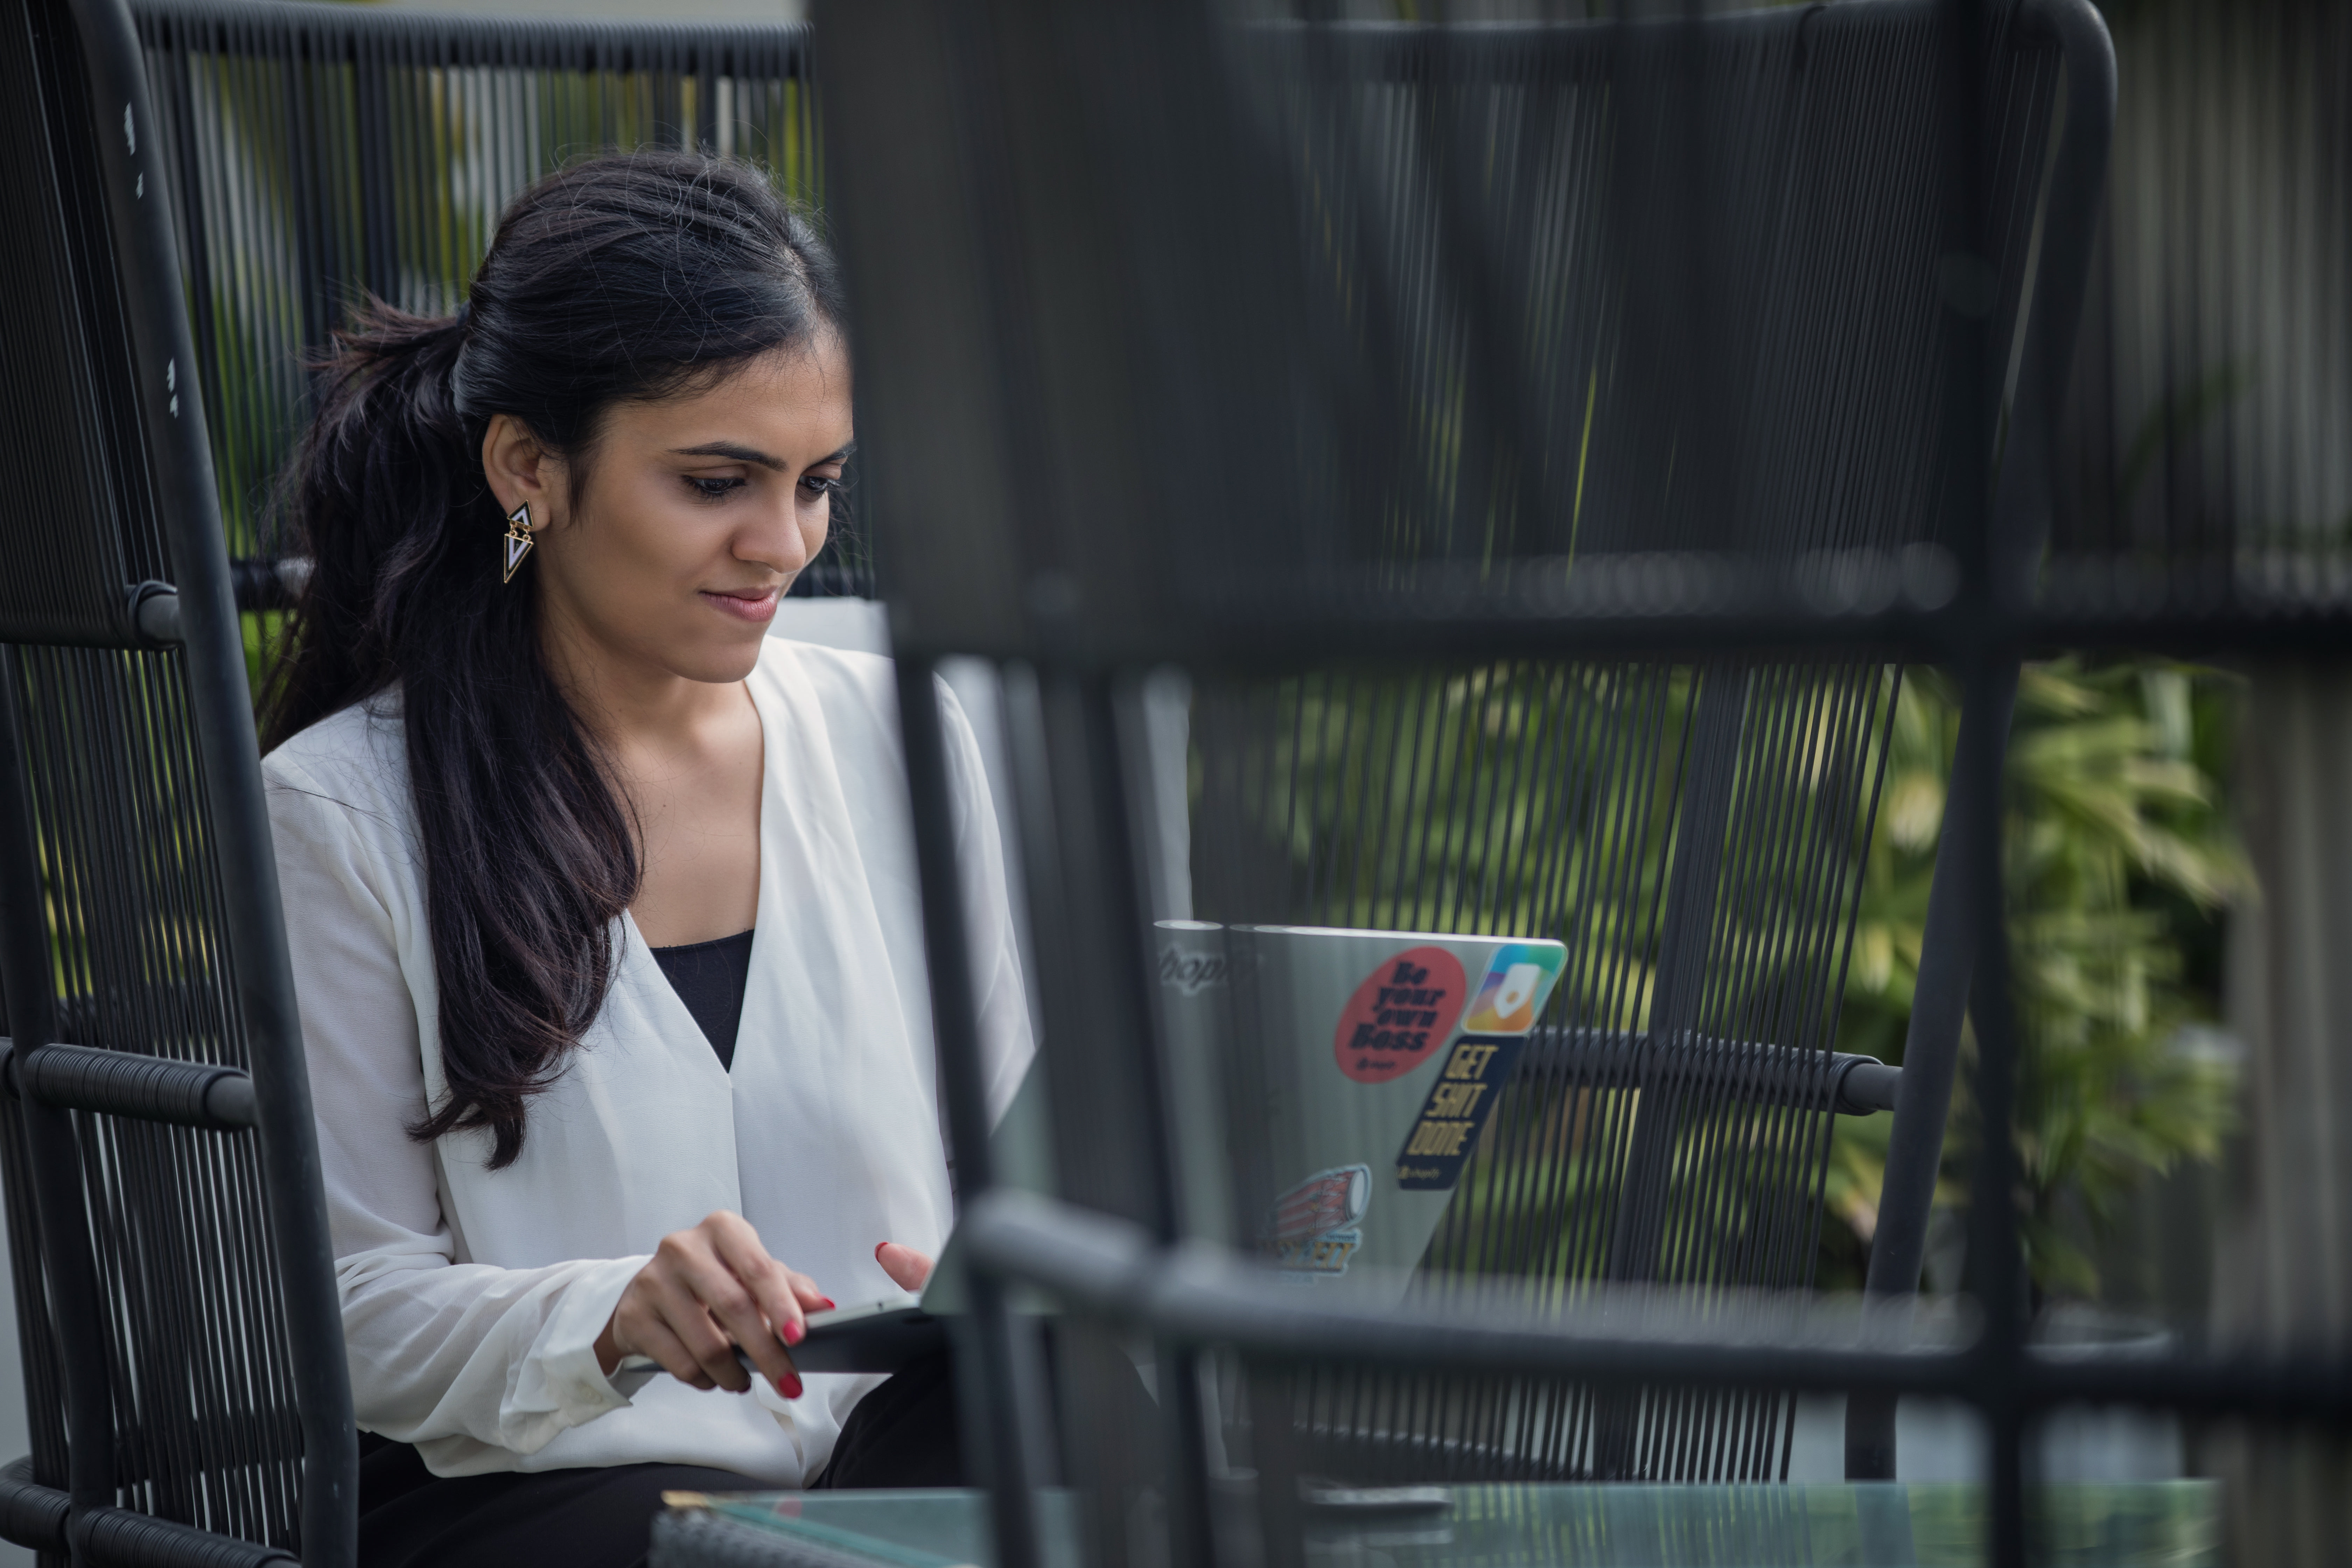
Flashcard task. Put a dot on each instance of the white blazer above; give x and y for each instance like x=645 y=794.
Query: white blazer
x=472 y=1299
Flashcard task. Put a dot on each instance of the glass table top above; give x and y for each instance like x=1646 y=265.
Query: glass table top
x=1894 y=1525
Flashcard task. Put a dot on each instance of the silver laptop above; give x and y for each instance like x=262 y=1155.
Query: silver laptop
x=1359 y=1067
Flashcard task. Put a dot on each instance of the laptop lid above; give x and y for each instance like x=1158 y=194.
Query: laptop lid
x=1331 y=1084
x=1361 y=1066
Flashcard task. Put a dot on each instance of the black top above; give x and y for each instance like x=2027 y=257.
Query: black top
x=709 y=977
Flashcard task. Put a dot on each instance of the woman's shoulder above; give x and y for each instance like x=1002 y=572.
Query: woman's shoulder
x=357 y=756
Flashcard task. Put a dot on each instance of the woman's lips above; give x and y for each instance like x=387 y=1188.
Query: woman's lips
x=756 y=607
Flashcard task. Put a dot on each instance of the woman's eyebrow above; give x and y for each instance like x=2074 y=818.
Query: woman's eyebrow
x=736 y=452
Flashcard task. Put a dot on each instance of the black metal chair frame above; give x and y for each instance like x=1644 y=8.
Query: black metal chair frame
x=202 y=613
x=1083 y=664
x=50 y=1076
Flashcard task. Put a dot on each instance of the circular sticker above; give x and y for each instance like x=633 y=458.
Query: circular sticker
x=1401 y=1013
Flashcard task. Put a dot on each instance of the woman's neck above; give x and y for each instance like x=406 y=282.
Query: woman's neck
x=630 y=703
x=687 y=756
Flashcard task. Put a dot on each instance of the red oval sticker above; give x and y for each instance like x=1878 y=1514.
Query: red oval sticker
x=1402 y=1012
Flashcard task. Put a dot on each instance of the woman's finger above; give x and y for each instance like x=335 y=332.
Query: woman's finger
x=810 y=1295
x=781 y=1296
x=651 y=1337
x=736 y=1245
x=907 y=1267
x=746 y=1295
x=680 y=1303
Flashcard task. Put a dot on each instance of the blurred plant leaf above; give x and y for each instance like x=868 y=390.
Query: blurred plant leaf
x=2108 y=810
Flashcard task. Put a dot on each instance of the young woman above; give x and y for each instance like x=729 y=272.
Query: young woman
x=602 y=902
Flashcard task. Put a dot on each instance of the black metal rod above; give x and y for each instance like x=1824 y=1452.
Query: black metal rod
x=1135 y=782
x=136 y=182
x=2071 y=205
x=69 y=1265
x=998 y=1430
x=458 y=38
x=1108 y=1268
x=2018 y=526
x=1990 y=564
x=39 y=1517
x=1393 y=634
x=1744 y=1069
x=1129 y=780
x=1996 y=1263
x=1200 y=1296
x=120 y=1083
x=1931 y=1055
x=30 y=1513
x=1645 y=1191
x=1681 y=955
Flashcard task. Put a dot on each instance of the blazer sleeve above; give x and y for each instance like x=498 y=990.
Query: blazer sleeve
x=437 y=1348
x=1006 y=1043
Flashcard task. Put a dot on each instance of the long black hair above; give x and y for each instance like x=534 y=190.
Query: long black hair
x=617 y=279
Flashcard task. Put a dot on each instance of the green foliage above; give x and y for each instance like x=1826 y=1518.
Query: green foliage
x=1471 y=801
x=1484 y=784
x=262 y=628
x=1543 y=798
x=2117 y=860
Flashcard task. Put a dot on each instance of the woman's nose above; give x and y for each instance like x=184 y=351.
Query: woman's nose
x=775 y=541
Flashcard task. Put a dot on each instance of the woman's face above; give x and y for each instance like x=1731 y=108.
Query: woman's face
x=698 y=513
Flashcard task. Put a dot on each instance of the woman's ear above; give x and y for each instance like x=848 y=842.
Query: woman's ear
x=518 y=471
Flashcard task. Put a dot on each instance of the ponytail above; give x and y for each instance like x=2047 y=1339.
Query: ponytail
x=625 y=278
x=380 y=473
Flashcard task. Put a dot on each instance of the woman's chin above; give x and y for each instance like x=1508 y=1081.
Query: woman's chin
x=721 y=663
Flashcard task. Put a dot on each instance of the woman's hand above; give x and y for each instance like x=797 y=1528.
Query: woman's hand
x=707 y=1290
x=907 y=1267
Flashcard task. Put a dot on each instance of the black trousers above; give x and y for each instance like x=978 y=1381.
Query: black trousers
x=904 y=1434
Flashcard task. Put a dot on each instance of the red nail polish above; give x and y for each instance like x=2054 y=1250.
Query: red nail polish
x=826 y=1305
x=794 y=1333
x=790 y=1388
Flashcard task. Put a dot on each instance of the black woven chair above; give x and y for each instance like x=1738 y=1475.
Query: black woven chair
x=183 y=1351
x=175 y=1281
x=1695 y=831
x=1473 y=410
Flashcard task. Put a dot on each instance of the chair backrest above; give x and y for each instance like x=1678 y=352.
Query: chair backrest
x=322 y=152
x=1696 y=831
x=1624 y=325
x=1696 y=835
x=174 y=1275
x=1465 y=350
x=182 y=1354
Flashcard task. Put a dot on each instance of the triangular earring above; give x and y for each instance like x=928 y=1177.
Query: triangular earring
x=518 y=539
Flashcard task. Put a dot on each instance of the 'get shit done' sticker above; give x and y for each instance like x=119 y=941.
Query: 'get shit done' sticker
x=1459 y=1102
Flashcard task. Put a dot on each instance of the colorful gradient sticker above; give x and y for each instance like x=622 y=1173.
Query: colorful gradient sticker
x=1518 y=982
